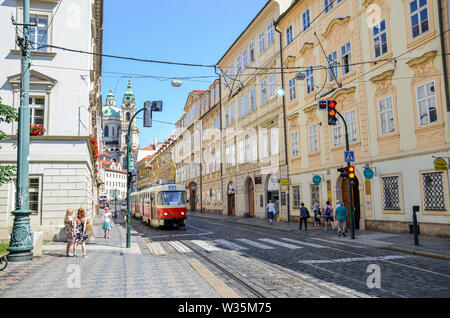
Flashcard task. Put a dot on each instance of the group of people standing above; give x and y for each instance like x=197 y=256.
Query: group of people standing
x=327 y=214
x=76 y=229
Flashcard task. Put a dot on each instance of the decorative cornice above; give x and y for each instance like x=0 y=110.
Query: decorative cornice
x=306 y=46
x=383 y=76
x=335 y=21
x=342 y=92
x=423 y=59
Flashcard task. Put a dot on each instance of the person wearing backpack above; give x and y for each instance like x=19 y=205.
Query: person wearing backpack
x=328 y=213
x=304 y=216
x=317 y=213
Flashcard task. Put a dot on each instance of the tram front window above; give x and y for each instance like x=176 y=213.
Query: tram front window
x=171 y=198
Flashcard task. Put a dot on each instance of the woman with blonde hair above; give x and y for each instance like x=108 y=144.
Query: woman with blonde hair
x=80 y=232
x=68 y=229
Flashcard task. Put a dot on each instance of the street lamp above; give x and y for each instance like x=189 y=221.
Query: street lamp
x=300 y=76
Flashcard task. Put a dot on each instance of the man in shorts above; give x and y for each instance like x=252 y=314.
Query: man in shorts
x=341 y=218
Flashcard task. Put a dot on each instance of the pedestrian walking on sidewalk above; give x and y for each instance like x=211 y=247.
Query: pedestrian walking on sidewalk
x=341 y=218
x=80 y=232
x=68 y=229
x=271 y=211
x=317 y=213
x=304 y=216
x=328 y=215
x=106 y=221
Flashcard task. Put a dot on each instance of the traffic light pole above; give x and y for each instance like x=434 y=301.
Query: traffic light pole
x=129 y=179
x=347 y=146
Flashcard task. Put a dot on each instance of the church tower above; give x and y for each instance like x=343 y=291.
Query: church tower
x=127 y=112
x=111 y=127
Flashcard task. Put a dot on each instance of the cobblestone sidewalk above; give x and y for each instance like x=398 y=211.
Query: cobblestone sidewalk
x=110 y=270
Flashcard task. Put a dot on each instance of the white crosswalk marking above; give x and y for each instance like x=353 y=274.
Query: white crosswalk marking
x=231 y=245
x=206 y=246
x=304 y=243
x=353 y=259
x=255 y=244
x=156 y=249
x=339 y=243
x=180 y=247
x=280 y=243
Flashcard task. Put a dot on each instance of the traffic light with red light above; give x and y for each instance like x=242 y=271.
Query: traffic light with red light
x=331 y=107
x=351 y=172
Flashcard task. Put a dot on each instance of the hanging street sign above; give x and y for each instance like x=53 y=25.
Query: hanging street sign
x=368 y=173
x=440 y=164
x=284 y=182
x=317 y=180
x=349 y=156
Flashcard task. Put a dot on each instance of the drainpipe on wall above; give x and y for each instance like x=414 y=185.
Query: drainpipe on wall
x=221 y=137
x=444 y=56
x=284 y=121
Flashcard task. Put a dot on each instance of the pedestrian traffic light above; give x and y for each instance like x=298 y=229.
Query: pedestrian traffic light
x=351 y=172
x=344 y=172
x=331 y=106
x=323 y=104
x=148 y=114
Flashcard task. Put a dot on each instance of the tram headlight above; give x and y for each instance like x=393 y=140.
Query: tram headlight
x=182 y=213
x=165 y=213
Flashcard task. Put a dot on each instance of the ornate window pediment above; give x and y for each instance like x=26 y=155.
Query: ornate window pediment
x=36 y=79
x=338 y=22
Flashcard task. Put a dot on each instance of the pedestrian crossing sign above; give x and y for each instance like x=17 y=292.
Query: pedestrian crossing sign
x=349 y=156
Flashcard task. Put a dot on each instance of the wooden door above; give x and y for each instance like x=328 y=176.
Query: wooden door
x=231 y=208
x=251 y=201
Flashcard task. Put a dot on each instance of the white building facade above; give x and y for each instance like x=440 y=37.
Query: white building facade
x=65 y=99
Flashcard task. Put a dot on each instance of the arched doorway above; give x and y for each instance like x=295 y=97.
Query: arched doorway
x=250 y=191
x=192 y=196
x=345 y=198
x=231 y=199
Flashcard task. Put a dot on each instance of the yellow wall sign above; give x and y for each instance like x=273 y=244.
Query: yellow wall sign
x=440 y=164
x=284 y=182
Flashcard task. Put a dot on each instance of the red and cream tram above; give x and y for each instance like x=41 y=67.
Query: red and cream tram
x=160 y=205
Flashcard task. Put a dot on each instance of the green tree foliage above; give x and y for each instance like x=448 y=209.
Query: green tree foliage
x=7 y=115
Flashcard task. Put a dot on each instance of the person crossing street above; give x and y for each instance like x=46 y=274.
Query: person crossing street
x=304 y=216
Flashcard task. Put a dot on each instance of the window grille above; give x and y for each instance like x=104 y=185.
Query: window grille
x=433 y=191
x=391 y=193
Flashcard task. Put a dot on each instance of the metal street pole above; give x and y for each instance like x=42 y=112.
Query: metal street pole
x=352 y=220
x=20 y=245
x=129 y=179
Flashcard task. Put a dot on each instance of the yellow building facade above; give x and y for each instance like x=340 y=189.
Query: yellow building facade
x=383 y=62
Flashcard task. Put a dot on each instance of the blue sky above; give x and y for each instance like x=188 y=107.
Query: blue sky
x=195 y=31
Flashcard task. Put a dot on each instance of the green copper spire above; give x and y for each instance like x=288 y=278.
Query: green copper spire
x=129 y=95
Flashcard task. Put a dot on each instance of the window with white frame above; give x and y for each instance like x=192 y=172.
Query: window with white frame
x=418 y=13
x=217 y=91
x=241 y=152
x=346 y=58
x=251 y=49
x=426 y=103
x=231 y=71
x=313 y=143
x=265 y=143
x=246 y=105
x=244 y=58
x=296 y=196
x=34 y=194
x=333 y=66
x=263 y=92
x=274 y=140
x=239 y=65
x=261 y=42
x=270 y=39
x=272 y=85
x=227 y=157
x=254 y=148
x=306 y=20
x=39 y=33
x=217 y=122
x=309 y=80
x=289 y=35
x=386 y=113
x=380 y=39
x=329 y=4
x=253 y=99
x=337 y=133
x=292 y=94
x=294 y=144
x=232 y=111
x=37 y=110
x=233 y=155
x=350 y=119
x=227 y=117
x=240 y=110
x=247 y=149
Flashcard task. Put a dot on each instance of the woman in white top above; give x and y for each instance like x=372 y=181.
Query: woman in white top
x=270 y=211
x=106 y=220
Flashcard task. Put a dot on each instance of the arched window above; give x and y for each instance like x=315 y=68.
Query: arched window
x=106 y=131
x=128 y=116
x=112 y=131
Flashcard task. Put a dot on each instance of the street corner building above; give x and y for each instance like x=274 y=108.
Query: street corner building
x=65 y=100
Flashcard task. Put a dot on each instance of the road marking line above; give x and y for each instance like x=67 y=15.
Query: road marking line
x=156 y=249
x=304 y=243
x=255 y=244
x=180 y=247
x=280 y=243
x=353 y=259
x=339 y=243
x=231 y=245
x=206 y=246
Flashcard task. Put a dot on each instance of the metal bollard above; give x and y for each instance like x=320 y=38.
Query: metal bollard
x=415 y=228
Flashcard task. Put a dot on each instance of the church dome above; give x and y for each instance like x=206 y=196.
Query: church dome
x=110 y=109
x=129 y=95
